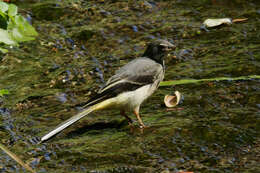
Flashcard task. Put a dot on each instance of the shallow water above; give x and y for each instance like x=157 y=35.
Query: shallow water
x=81 y=44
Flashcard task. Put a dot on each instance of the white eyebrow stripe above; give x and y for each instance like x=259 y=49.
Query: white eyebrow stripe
x=162 y=44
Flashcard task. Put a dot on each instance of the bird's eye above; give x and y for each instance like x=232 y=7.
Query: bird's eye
x=162 y=46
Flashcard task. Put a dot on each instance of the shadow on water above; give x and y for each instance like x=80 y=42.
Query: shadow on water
x=82 y=43
x=97 y=127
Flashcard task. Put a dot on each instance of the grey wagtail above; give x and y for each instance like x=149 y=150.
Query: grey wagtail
x=128 y=88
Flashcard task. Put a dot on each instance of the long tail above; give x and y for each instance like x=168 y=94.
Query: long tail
x=75 y=118
x=67 y=123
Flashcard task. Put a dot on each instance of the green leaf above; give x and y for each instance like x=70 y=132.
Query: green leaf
x=13 y=27
x=189 y=81
x=24 y=27
x=3 y=50
x=5 y=38
x=3 y=7
x=19 y=37
x=3 y=92
x=11 y=24
x=12 y=10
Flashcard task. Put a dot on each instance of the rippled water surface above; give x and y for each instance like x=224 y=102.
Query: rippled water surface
x=80 y=45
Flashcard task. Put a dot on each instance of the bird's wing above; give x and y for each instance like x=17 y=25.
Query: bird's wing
x=135 y=74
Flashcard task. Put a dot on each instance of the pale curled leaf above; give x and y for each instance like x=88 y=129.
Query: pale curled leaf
x=209 y=23
x=172 y=101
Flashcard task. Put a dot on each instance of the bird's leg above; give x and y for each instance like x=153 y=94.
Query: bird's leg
x=136 y=112
x=130 y=121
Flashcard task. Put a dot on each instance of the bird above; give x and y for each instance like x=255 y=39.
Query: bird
x=126 y=90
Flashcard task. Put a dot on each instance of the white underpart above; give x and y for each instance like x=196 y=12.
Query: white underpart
x=132 y=100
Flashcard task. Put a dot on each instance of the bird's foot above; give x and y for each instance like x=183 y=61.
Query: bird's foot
x=143 y=126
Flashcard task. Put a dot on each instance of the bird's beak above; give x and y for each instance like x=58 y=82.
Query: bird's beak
x=167 y=45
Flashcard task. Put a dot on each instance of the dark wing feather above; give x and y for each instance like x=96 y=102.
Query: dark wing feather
x=138 y=67
x=135 y=74
x=112 y=92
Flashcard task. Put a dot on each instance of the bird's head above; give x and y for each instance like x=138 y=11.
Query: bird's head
x=157 y=49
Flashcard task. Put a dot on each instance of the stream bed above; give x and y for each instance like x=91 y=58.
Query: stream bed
x=81 y=44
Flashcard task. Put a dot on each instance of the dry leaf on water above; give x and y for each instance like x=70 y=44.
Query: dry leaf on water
x=172 y=100
x=209 y=23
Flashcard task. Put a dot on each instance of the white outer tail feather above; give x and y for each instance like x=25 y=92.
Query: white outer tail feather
x=77 y=117
x=67 y=123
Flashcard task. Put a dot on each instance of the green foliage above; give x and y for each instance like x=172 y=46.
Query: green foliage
x=189 y=81
x=3 y=92
x=13 y=27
